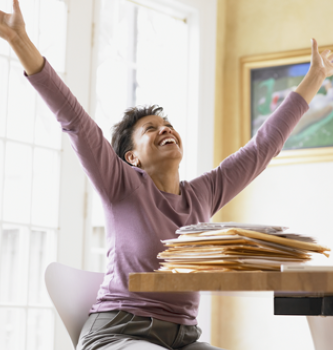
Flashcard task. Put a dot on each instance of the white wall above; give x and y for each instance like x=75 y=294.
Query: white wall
x=299 y=196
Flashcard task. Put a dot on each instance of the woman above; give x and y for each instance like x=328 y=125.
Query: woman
x=143 y=199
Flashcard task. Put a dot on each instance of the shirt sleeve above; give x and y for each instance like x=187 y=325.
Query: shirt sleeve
x=217 y=187
x=111 y=176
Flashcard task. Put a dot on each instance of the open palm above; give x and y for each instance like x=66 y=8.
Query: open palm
x=322 y=61
x=12 y=24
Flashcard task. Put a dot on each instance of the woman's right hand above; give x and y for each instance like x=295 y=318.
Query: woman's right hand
x=12 y=25
x=12 y=29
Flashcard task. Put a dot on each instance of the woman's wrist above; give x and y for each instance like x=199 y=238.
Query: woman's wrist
x=317 y=73
x=311 y=84
x=18 y=39
x=26 y=51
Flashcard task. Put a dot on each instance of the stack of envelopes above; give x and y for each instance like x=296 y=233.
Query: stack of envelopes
x=231 y=246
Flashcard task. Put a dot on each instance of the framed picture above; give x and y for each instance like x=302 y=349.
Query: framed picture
x=265 y=82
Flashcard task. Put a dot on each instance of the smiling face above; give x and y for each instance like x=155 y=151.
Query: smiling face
x=156 y=143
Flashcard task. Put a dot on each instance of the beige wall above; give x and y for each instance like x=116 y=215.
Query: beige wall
x=300 y=196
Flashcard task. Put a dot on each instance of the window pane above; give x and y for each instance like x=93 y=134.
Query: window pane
x=3 y=94
x=162 y=62
x=17 y=192
x=142 y=59
x=114 y=88
x=42 y=252
x=4 y=48
x=29 y=9
x=40 y=329
x=45 y=188
x=114 y=36
x=111 y=97
x=20 y=121
x=53 y=14
x=47 y=129
x=13 y=264
x=12 y=329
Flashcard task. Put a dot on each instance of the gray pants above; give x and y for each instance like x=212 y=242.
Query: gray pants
x=118 y=330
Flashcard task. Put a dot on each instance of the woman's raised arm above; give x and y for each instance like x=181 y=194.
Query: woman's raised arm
x=111 y=177
x=242 y=167
x=12 y=29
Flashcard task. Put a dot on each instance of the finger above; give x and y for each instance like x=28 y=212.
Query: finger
x=16 y=6
x=314 y=45
x=329 y=55
x=314 y=50
x=325 y=53
x=2 y=16
x=316 y=59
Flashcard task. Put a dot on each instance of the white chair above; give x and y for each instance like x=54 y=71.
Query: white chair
x=72 y=292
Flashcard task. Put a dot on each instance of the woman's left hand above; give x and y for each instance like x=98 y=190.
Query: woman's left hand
x=321 y=68
x=321 y=62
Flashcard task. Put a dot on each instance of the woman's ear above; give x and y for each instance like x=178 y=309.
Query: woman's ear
x=131 y=158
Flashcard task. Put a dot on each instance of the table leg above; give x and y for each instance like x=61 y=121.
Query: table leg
x=321 y=328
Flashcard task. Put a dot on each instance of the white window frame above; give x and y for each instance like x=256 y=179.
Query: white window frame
x=73 y=183
x=75 y=194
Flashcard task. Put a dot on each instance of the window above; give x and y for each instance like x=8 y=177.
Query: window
x=30 y=152
x=160 y=52
x=141 y=57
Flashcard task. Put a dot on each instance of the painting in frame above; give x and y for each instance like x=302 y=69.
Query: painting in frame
x=265 y=82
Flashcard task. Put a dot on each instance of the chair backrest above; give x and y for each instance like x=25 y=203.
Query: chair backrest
x=72 y=292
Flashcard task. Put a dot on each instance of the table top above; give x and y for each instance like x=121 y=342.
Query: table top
x=310 y=282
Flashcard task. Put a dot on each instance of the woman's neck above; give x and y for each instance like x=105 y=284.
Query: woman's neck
x=166 y=181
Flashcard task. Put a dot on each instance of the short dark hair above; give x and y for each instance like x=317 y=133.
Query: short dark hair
x=122 y=132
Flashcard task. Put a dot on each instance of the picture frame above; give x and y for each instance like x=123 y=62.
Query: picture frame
x=265 y=81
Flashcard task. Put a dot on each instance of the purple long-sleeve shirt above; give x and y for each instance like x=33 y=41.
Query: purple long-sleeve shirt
x=138 y=215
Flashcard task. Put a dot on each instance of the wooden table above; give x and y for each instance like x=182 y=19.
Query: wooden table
x=310 y=283
x=295 y=293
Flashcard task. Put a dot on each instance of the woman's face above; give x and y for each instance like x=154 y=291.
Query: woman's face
x=155 y=141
